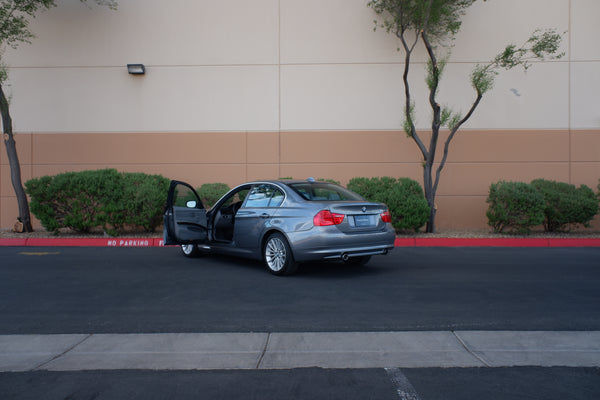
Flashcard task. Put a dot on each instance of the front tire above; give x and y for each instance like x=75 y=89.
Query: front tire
x=277 y=255
x=190 y=250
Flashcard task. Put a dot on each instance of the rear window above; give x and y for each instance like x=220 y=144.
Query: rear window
x=324 y=192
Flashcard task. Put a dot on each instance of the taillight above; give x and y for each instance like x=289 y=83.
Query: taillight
x=386 y=217
x=327 y=218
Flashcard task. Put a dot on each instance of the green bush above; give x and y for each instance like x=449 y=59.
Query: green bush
x=144 y=197
x=210 y=193
x=404 y=198
x=514 y=205
x=566 y=204
x=105 y=199
x=77 y=200
x=329 y=181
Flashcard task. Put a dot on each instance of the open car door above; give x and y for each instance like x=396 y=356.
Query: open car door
x=185 y=217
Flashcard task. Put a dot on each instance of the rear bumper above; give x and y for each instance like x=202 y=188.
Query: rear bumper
x=327 y=243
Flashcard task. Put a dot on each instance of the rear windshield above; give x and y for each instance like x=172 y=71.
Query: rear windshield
x=321 y=191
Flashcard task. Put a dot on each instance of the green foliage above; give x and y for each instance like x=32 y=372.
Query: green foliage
x=404 y=197
x=144 y=197
x=77 y=200
x=566 y=204
x=440 y=19
x=210 y=193
x=15 y=16
x=482 y=78
x=542 y=45
x=449 y=118
x=14 y=20
x=435 y=23
x=409 y=123
x=545 y=43
x=329 y=181
x=434 y=74
x=112 y=4
x=514 y=205
x=105 y=199
x=371 y=188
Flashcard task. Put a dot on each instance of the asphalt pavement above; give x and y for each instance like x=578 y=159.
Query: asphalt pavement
x=83 y=315
x=518 y=383
x=156 y=290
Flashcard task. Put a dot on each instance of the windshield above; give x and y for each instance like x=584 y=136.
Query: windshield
x=321 y=191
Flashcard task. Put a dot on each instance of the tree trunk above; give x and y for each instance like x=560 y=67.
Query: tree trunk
x=429 y=196
x=15 y=167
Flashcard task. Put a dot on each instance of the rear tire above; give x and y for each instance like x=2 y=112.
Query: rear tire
x=277 y=255
x=190 y=250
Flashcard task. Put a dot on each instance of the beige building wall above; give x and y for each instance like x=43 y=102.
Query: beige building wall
x=237 y=90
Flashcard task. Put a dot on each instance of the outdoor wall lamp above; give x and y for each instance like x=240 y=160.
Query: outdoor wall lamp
x=136 y=69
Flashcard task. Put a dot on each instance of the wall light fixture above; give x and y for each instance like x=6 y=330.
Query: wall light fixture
x=136 y=69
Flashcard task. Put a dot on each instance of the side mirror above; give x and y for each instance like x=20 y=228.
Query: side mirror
x=191 y=204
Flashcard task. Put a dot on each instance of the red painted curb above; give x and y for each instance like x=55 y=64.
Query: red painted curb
x=13 y=242
x=496 y=242
x=84 y=242
x=400 y=242
x=405 y=242
x=574 y=242
x=480 y=242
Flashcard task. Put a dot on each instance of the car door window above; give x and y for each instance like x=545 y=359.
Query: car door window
x=184 y=196
x=264 y=196
x=235 y=199
x=185 y=218
x=276 y=198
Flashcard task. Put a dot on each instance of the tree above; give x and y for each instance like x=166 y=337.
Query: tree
x=434 y=24
x=14 y=30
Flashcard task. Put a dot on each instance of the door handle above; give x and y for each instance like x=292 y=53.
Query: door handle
x=264 y=215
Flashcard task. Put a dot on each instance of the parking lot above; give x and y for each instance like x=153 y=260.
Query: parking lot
x=101 y=293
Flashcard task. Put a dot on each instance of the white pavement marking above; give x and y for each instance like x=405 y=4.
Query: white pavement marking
x=189 y=351
x=404 y=388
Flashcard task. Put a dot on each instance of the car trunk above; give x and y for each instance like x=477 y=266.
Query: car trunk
x=360 y=217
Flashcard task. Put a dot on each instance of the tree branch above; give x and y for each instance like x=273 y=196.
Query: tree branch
x=451 y=136
x=407 y=110
x=433 y=86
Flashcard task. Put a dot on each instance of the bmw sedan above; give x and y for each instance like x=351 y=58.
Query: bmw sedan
x=283 y=223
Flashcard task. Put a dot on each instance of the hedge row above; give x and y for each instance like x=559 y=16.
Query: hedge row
x=518 y=206
x=106 y=199
x=210 y=193
x=404 y=198
x=113 y=201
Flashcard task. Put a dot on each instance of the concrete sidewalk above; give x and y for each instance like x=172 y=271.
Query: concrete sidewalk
x=203 y=351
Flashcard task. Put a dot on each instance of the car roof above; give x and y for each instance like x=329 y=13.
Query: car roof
x=284 y=181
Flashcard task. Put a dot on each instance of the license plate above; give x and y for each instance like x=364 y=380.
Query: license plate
x=361 y=221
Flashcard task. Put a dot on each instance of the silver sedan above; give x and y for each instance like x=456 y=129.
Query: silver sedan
x=283 y=223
